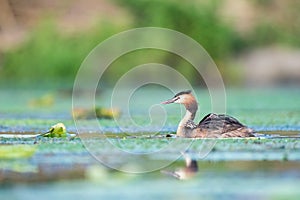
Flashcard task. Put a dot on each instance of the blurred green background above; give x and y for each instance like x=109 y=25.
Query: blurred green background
x=254 y=43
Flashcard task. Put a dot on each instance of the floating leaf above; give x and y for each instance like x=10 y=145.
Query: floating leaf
x=57 y=130
x=16 y=151
x=99 y=112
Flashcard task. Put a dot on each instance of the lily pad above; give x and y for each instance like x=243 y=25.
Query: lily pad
x=57 y=130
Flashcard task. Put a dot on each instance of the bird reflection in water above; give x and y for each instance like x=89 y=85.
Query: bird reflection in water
x=187 y=172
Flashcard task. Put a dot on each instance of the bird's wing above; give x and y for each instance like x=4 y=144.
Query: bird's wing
x=220 y=123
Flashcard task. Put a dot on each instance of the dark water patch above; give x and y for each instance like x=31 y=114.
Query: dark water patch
x=279 y=134
x=240 y=170
x=43 y=174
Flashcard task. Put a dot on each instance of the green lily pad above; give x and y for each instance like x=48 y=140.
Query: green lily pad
x=57 y=130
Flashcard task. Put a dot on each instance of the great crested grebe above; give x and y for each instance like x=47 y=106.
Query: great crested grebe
x=211 y=126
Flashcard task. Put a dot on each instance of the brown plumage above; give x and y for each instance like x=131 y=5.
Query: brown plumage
x=211 y=126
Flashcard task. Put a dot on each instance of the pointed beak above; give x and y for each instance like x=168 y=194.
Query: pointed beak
x=170 y=100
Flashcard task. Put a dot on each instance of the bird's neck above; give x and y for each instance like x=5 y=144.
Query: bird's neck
x=189 y=115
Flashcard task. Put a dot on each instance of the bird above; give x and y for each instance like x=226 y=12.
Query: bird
x=211 y=126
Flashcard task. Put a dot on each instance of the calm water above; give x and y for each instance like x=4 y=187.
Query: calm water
x=267 y=168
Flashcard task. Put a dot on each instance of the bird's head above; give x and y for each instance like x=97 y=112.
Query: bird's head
x=186 y=98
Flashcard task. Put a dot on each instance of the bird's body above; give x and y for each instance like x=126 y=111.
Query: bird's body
x=211 y=126
x=214 y=126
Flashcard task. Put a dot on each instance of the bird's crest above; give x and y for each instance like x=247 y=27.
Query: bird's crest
x=183 y=92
